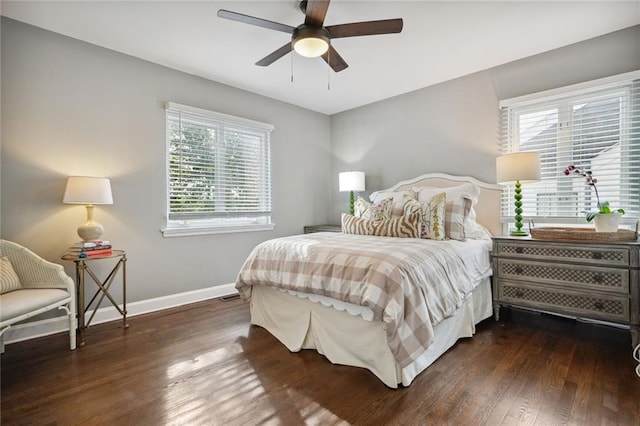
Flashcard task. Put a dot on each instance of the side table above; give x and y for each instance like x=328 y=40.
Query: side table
x=82 y=266
x=309 y=229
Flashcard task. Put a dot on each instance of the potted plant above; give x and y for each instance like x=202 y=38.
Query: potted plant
x=605 y=218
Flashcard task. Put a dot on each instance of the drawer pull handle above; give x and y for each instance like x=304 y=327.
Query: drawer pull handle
x=599 y=306
x=518 y=270
x=597 y=278
x=596 y=255
x=519 y=250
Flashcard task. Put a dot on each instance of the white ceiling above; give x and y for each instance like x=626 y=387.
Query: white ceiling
x=441 y=40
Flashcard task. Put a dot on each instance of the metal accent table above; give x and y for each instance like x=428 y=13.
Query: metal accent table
x=103 y=287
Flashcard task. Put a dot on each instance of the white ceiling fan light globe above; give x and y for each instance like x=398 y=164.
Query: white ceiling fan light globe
x=310 y=47
x=310 y=42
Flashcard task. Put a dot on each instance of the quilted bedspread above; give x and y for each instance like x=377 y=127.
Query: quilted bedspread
x=410 y=284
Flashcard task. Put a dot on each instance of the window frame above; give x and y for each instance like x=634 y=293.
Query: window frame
x=225 y=221
x=569 y=97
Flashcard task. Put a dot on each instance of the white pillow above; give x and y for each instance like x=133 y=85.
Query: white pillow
x=474 y=231
x=8 y=278
x=467 y=190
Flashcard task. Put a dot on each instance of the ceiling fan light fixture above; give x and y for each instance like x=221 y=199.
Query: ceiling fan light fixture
x=310 y=42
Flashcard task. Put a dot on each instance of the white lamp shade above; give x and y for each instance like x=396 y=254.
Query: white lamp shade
x=351 y=181
x=88 y=190
x=518 y=166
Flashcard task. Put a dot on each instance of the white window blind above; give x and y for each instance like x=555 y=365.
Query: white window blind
x=595 y=128
x=218 y=171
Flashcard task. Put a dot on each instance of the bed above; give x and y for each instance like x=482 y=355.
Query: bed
x=390 y=305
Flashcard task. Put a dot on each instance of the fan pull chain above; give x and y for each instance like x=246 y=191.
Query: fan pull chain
x=292 y=55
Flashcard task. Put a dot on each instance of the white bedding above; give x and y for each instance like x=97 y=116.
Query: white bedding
x=410 y=284
x=474 y=253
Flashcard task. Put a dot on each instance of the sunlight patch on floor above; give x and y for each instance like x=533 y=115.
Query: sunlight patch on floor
x=202 y=389
x=181 y=368
x=311 y=412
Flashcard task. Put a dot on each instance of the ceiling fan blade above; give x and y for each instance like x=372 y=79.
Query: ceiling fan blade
x=334 y=60
x=316 y=11
x=354 y=29
x=252 y=20
x=275 y=55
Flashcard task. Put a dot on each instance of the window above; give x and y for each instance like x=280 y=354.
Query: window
x=218 y=172
x=595 y=126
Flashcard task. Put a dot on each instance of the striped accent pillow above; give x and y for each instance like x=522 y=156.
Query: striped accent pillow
x=8 y=278
x=432 y=215
x=401 y=226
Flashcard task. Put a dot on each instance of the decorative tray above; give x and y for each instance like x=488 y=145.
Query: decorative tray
x=582 y=234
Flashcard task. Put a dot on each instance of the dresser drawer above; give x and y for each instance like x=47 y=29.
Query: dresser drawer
x=579 y=276
x=585 y=254
x=567 y=302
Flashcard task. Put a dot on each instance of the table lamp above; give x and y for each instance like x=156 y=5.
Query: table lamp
x=89 y=191
x=351 y=181
x=518 y=167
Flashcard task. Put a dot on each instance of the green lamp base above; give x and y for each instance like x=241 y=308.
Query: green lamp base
x=518 y=217
x=352 y=202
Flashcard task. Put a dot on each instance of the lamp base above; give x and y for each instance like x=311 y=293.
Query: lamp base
x=90 y=230
x=518 y=232
x=352 y=202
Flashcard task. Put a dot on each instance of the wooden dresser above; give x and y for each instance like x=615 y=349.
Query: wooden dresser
x=579 y=279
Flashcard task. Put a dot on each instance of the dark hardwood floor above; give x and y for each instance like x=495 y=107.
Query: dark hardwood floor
x=203 y=364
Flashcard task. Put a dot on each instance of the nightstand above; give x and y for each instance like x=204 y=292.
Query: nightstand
x=591 y=280
x=309 y=229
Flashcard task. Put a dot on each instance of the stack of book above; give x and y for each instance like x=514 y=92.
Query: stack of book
x=93 y=248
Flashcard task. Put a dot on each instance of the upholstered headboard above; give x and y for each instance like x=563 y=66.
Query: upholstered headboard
x=488 y=207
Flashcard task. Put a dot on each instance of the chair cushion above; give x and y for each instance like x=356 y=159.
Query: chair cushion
x=8 y=278
x=19 y=302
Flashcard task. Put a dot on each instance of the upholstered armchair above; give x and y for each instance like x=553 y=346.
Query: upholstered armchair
x=30 y=286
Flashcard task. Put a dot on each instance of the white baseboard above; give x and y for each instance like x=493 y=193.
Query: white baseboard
x=33 y=329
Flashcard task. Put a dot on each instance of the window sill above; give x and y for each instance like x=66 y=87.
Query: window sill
x=196 y=231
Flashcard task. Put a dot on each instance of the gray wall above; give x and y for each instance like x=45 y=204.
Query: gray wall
x=453 y=127
x=72 y=108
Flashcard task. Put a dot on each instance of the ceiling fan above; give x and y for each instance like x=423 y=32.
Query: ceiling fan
x=312 y=39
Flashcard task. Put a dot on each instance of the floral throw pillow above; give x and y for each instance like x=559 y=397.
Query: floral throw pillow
x=432 y=215
x=366 y=210
x=398 y=199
